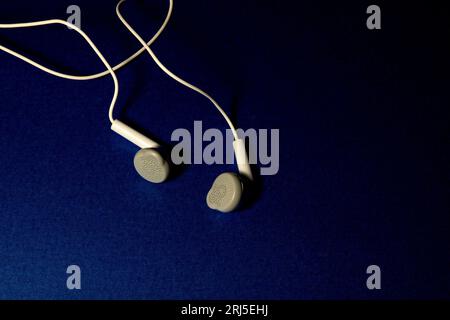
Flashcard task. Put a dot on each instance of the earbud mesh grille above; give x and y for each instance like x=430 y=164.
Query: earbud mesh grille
x=151 y=166
x=152 y=169
x=217 y=195
x=225 y=193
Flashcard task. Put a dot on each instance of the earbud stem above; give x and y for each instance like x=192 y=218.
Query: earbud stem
x=242 y=158
x=133 y=136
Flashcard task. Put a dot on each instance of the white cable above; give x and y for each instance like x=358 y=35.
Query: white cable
x=88 y=40
x=117 y=67
x=94 y=76
x=171 y=74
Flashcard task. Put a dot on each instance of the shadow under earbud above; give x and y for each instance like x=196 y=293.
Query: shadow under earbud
x=176 y=170
x=253 y=190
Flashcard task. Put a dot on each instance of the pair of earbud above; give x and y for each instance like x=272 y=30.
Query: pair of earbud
x=227 y=190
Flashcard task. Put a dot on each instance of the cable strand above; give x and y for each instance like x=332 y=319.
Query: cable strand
x=88 y=40
x=93 y=76
x=170 y=73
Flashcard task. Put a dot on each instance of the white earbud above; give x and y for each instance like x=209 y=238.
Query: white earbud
x=225 y=193
x=227 y=190
x=148 y=162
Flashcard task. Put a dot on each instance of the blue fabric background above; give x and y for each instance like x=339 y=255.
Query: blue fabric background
x=364 y=168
